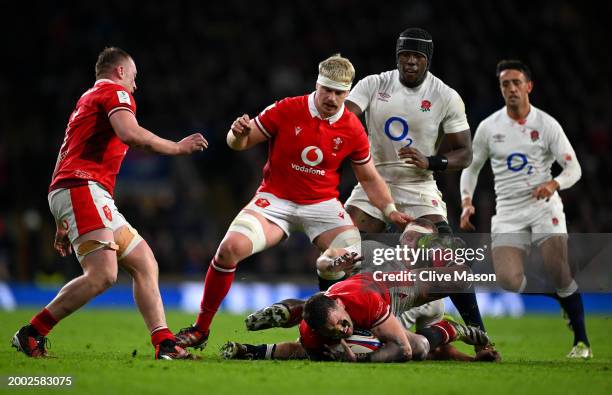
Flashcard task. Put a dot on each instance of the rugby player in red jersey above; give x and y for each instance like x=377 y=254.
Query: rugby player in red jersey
x=361 y=302
x=99 y=132
x=308 y=137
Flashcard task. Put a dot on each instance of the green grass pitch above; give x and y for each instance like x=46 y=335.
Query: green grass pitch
x=95 y=348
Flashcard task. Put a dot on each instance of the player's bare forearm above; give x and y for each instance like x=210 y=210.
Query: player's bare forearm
x=393 y=351
x=126 y=127
x=460 y=155
x=459 y=159
x=237 y=143
x=374 y=186
x=150 y=142
x=244 y=133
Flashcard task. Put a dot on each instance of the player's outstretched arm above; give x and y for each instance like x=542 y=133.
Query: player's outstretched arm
x=244 y=133
x=126 y=127
x=378 y=193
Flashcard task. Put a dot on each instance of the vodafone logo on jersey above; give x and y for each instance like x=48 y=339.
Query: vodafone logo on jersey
x=311 y=156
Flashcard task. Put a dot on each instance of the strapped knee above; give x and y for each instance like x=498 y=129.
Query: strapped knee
x=249 y=226
x=346 y=239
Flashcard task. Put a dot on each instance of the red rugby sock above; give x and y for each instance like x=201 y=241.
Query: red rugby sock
x=216 y=285
x=43 y=322
x=160 y=334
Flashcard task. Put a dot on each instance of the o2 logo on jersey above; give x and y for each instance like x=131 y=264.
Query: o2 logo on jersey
x=403 y=136
x=517 y=161
x=312 y=155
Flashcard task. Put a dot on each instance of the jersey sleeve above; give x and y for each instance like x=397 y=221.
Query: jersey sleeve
x=455 y=120
x=270 y=118
x=564 y=154
x=378 y=309
x=469 y=175
x=114 y=99
x=362 y=93
x=361 y=152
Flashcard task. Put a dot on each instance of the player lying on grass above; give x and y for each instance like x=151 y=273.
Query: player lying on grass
x=404 y=295
x=427 y=309
x=364 y=303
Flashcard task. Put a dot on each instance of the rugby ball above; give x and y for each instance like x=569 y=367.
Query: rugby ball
x=361 y=342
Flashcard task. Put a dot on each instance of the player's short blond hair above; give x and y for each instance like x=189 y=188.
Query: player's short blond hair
x=337 y=69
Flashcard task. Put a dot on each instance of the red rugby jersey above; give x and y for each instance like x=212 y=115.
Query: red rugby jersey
x=91 y=150
x=306 y=152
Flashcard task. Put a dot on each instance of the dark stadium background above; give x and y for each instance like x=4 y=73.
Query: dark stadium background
x=201 y=64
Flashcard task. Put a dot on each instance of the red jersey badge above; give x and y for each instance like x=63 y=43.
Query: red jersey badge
x=263 y=203
x=337 y=143
x=107 y=213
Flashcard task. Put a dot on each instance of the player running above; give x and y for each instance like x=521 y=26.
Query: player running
x=522 y=143
x=309 y=137
x=100 y=130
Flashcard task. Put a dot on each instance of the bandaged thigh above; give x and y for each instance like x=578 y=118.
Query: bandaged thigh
x=127 y=238
x=249 y=226
x=88 y=246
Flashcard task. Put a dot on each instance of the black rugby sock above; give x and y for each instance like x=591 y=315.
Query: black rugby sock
x=467 y=306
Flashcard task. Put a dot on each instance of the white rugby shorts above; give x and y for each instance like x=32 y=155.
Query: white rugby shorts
x=312 y=219
x=532 y=223
x=85 y=208
x=415 y=200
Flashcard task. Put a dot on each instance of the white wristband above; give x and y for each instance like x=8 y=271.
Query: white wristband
x=389 y=209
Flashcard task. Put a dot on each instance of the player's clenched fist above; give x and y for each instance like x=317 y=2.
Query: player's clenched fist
x=240 y=127
x=192 y=143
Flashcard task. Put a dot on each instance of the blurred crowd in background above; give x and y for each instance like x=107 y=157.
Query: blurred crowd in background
x=202 y=64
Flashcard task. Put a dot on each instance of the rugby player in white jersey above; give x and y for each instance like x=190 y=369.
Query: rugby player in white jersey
x=409 y=112
x=522 y=143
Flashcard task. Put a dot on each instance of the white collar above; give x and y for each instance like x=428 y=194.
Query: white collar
x=315 y=113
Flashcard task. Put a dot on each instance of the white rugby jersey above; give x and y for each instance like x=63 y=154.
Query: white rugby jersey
x=397 y=116
x=521 y=156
